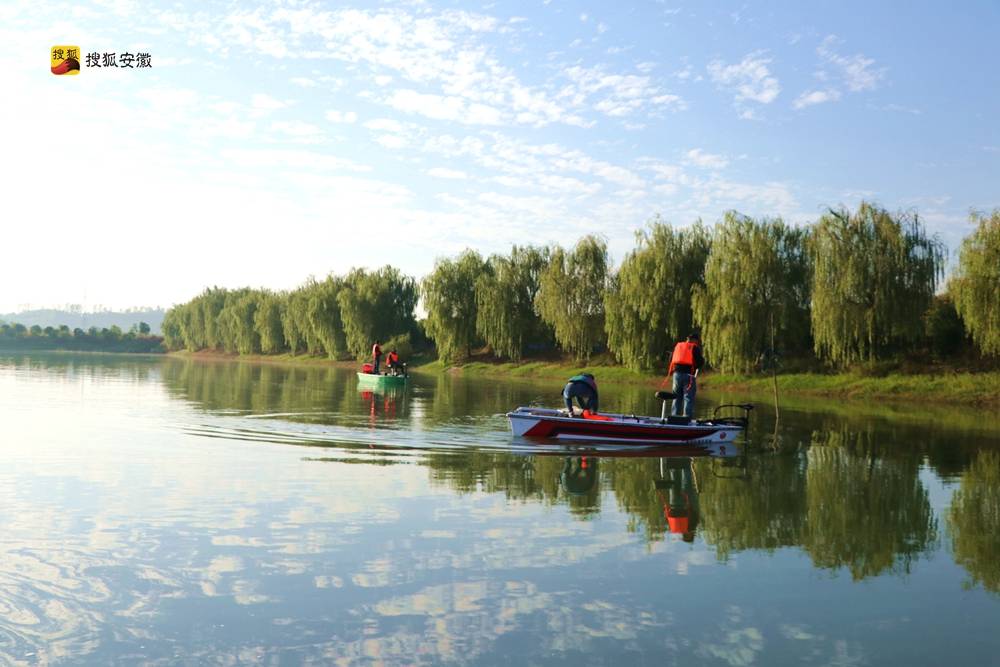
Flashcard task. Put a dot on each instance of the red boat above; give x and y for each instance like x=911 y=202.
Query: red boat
x=534 y=422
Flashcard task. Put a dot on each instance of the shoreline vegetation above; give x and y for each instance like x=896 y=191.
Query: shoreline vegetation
x=937 y=385
x=850 y=306
x=17 y=337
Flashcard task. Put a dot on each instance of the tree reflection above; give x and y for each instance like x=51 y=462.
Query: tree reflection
x=762 y=509
x=974 y=519
x=847 y=493
x=865 y=510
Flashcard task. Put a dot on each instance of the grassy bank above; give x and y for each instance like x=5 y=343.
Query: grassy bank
x=542 y=370
x=936 y=386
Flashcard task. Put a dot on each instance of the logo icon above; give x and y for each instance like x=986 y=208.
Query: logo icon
x=65 y=60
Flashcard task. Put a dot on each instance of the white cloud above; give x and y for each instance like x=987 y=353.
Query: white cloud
x=304 y=82
x=263 y=105
x=335 y=116
x=392 y=141
x=700 y=158
x=299 y=131
x=813 y=97
x=750 y=80
x=615 y=94
x=384 y=124
x=857 y=71
x=444 y=172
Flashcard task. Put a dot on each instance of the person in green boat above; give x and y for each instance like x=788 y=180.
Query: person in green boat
x=583 y=387
x=393 y=364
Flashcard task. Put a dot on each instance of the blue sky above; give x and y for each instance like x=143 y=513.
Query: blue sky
x=274 y=141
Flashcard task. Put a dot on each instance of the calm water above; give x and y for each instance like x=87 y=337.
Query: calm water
x=166 y=511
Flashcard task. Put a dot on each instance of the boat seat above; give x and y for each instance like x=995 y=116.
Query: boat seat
x=666 y=395
x=677 y=420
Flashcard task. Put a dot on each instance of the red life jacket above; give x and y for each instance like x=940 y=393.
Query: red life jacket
x=393 y=358
x=683 y=354
x=376 y=351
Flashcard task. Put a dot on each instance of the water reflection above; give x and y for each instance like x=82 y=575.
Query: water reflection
x=974 y=518
x=177 y=510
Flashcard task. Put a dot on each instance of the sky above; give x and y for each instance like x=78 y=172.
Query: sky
x=269 y=142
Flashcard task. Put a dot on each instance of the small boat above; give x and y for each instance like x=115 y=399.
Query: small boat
x=532 y=422
x=395 y=377
x=381 y=379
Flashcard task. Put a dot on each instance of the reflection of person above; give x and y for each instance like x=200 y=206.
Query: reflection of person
x=579 y=475
x=685 y=363
x=376 y=355
x=584 y=388
x=680 y=508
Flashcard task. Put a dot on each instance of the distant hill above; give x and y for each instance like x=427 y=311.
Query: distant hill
x=102 y=319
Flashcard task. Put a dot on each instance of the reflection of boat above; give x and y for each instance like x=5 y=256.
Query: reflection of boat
x=606 y=427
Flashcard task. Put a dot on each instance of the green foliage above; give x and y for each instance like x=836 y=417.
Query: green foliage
x=449 y=294
x=756 y=280
x=648 y=303
x=943 y=327
x=571 y=295
x=505 y=301
x=323 y=316
x=376 y=305
x=976 y=286
x=875 y=276
x=17 y=336
x=267 y=323
x=236 y=322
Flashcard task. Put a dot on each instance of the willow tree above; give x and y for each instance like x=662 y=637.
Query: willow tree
x=449 y=294
x=571 y=295
x=376 y=305
x=267 y=322
x=875 y=276
x=755 y=296
x=236 y=322
x=505 y=301
x=172 y=327
x=324 y=319
x=648 y=303
x=296 y=323
x=976 y=285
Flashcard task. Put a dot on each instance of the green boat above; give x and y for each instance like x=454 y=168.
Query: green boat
x=373 y=380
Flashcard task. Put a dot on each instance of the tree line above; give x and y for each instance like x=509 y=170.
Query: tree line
x=17 y=336
x=338 y=317
x=855 y=286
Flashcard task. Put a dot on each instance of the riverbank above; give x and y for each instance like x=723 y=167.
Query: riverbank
x=938 y=386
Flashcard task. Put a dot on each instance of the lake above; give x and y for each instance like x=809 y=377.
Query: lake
x=181 y=511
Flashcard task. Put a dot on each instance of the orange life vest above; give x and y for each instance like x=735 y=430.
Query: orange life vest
x=683 y=354
x=393 y=358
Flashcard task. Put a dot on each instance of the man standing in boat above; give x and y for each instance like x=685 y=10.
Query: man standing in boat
x=685 y=363
x=377 y=355
x=584 y=388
